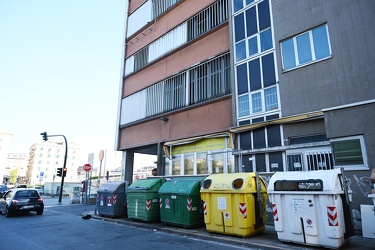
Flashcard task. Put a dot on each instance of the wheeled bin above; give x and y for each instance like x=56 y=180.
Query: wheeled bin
x=234 y=204
x=112 y=198
x=180 y=202
x=311 y=207
x=143 y=199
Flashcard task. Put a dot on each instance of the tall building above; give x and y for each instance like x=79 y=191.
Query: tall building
x=305 y=90
x=176 y=99
x=250 y=85
x=46 y=157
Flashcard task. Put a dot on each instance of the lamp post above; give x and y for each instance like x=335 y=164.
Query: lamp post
x=64 y=170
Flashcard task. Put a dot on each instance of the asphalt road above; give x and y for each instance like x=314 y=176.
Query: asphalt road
x=62 y=227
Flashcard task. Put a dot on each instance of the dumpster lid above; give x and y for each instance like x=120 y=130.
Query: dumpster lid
x=314 y=181
x=183 y=185
x=145 y=184
x=236 y=182
x=111 y=186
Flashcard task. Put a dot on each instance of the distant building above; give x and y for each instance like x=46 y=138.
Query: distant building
x=142 y=173
x=16 y=161
x=5 y=138
x=46 y=157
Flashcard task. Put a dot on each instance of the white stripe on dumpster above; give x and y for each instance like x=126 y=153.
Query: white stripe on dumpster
x=148 y=205
x=332 y=216
x=274 y=210
x=189 y=204
x=243 y=209
x=204 y=208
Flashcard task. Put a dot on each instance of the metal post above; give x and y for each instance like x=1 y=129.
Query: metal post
x=62 y=177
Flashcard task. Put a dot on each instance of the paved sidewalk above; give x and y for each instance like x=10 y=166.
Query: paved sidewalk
x=266 y=240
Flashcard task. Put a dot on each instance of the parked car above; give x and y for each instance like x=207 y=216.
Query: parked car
x=22 y=200
x=21 y=186
x=3 y=189
x=40 y=189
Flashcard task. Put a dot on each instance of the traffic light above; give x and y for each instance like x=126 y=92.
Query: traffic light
x=44 y=134
x=64 y=171
x=59 y=172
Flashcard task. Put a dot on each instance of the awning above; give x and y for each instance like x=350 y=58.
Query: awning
x=167 y=145
x=283 y=120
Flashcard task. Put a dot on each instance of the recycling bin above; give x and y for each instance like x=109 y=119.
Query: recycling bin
x=111 y=199
x=234 y=204
x=180 y=202
x=311 y=207
x=143 y=199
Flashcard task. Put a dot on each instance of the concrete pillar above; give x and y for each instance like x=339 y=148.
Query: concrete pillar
x=127 y=166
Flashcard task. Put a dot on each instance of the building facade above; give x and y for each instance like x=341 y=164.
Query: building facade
x=176 y=91
x=18 y=162
x=46 y=157
x=250 y=85
x=305 y=94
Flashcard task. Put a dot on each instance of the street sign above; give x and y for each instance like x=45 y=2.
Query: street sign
x=87 y=167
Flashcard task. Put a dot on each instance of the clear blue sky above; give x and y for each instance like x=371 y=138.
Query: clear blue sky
x=60 y=66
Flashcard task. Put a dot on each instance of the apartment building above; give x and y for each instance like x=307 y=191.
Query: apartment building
x=250 y=85
x=176 y=91
x=304 y=88
x=46 y=157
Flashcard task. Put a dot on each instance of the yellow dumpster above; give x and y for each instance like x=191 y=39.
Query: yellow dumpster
x=234 y=204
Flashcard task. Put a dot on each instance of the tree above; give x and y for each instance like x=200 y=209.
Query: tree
x=13 y=175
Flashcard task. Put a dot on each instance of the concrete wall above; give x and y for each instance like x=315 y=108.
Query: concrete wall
x=345 y=78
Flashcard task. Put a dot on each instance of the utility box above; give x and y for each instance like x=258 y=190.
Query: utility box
x=112 y=198
x=234 y=204
x=180 y=202
x=311 y=207
x=143 y=199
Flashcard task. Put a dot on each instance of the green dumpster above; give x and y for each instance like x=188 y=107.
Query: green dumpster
x=180 y=202
x=143 y=199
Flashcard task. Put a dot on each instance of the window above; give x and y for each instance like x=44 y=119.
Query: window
x=349 y=152
x=306 y=48
x=243 y=103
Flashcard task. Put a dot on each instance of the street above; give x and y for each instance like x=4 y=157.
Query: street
x=62 y=227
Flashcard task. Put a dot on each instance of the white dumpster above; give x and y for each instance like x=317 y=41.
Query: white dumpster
x=311 y=207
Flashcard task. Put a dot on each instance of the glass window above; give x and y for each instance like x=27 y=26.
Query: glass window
x=256 y=99
x=176 y=165
x=255 y=79
x=321 y=45
x=189 y=164
x=259 y=137
x=260 y=162
x=245 y=140
x=237 y=5
x=240 y=51
x=304 y=48
x=348 y=152
x=264 y=15
x=239 y=27
x=266 y=40
x=273 y=136
x=276 y=161
x=288 y=54
x=268 y=70
x=218 y=163
x=243 y=106
x=202 y=167
x=242 y=81
x=308 y=47
x=270 y=98
x=251 y=21
x=253 y=45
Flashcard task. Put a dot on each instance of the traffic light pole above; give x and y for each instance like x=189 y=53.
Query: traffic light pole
x=64 y=168
x=45 y=138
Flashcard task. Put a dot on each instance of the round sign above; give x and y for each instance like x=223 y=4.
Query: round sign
x=87 y=167
x=101 y=155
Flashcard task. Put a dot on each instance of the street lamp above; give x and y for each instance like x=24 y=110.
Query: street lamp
x=45 y=138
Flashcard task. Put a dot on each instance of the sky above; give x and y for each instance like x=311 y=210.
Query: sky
x=60 y=65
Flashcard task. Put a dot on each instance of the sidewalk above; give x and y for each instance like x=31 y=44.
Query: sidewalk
x=266 y=240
